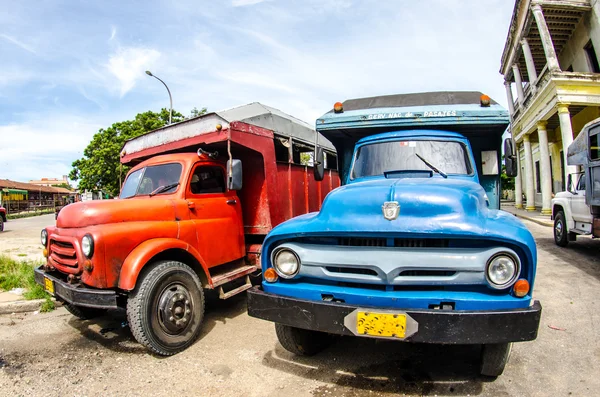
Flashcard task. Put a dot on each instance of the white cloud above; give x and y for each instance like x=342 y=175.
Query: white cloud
x=18 y=43
x=43 y=147
x=241 y=3
x=113 y=33
x=129 y=63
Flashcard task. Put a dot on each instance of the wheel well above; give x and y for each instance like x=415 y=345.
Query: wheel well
x=176 y=254
x=556 y=209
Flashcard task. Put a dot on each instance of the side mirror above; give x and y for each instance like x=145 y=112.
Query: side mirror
x=319 y=164
x=234 y=174
x=510 y=158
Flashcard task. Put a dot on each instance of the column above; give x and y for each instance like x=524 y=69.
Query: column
x=518 y=178
x=545 y=168
x=529 y=62
x=509 y=97
x=551 y=58
x=566 y=132
x=529 y=188
x=519 y=83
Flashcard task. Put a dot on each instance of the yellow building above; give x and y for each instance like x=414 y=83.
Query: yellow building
x=552 y=78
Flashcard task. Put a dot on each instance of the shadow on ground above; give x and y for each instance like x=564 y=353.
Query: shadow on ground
x=112 y=332
x=355 y=366
x=588 y=248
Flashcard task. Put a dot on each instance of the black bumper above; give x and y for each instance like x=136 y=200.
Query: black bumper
x=78 y=294
x=434 y=326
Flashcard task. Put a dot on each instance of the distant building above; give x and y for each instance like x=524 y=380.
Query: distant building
x=551 y=56
x=50 y=181
x=19 y=196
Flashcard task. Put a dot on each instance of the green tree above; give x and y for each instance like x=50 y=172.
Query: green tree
x=63 y=185
x=195 y=112
x=99 y=168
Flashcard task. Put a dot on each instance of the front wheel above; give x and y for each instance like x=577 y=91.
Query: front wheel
x=560 y=230
x=494 y=358
x=166 y=308
x=300 y=341
x=1 y=224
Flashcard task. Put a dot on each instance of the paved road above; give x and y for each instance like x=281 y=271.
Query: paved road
x=55 y=354
x=21 y=237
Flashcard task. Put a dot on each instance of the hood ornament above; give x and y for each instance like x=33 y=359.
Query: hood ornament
x=391 y=210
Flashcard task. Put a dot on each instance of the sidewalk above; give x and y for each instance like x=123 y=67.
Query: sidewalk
x=533 y=216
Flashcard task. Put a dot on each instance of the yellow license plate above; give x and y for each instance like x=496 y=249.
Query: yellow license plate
x=49 y=285
x=381 y=324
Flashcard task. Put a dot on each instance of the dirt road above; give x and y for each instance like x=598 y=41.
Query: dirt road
x=55 y=354
x=21 y=237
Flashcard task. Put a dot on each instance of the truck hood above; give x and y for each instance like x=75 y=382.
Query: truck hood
x=89 y=213
x=426 y=204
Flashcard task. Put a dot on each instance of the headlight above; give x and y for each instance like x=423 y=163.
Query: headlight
x=286 y=263
x=87 y=246
x=502 y=271
x=44 y=237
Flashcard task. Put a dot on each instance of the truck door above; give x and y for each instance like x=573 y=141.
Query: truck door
x=579 y=209
x=217 y=214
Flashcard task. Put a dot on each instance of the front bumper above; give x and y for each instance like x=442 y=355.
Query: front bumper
x=434 y=326
x=77 y=294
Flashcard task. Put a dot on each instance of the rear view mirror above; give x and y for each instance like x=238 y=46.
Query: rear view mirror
x=510 y=158
x=319 y=164
x=234 y=174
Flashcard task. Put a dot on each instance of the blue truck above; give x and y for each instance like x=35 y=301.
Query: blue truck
x=412 y=247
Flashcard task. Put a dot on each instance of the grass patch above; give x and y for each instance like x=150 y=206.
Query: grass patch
x=19 y=274
x=30 y=214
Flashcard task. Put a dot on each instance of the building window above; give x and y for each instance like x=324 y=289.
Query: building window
x=552 y=174
x=592 y=58
x=538 y=186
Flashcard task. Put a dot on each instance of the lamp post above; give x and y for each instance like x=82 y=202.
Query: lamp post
x=149 y=73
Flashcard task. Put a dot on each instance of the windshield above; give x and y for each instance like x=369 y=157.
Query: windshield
x=146 y=180
x=397 y=156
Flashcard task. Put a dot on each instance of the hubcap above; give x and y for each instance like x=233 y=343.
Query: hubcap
x=559 y=229
x=175 y=309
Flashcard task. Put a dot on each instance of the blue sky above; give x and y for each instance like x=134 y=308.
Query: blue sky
x=68 y=68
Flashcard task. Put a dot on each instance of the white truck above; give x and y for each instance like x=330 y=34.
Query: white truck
x=577 y=210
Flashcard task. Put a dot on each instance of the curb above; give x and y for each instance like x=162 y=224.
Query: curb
x=22 y=306
x=539 y=222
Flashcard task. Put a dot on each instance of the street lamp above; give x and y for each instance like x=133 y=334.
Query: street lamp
x=149 y=73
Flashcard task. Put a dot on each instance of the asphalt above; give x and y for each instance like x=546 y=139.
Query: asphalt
x=54 y=354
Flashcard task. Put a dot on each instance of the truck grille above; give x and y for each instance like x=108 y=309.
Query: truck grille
x=397 y=242
x=63 y=253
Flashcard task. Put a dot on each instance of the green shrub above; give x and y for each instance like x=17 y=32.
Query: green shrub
x=19 y=274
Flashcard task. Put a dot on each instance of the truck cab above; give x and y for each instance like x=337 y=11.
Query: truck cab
x=412 y=247
x=576 y=211
x=194 y=208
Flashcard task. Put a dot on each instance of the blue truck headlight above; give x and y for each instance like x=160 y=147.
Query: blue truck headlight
x=44 y=237
x=286 y=263
x=87 y=246
x=502 y=271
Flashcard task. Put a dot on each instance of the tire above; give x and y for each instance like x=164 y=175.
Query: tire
x=561 y=235
x=302 y=342
x=1 y=224
x=84 y=313
x=494 y=358
x=166 y=308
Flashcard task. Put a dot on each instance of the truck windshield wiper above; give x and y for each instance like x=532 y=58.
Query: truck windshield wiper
x=162 y=189
x=427 y=163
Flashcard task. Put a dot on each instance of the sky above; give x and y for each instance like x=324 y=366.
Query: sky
x=69 y=68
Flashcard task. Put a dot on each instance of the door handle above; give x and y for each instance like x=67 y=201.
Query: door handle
x=232 y=202
x=191 y=205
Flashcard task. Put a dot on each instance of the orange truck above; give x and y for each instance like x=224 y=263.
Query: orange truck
x=192 y=215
